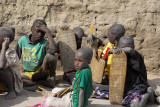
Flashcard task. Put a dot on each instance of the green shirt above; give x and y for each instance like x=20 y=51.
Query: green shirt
x=83 y=80
x=32 y=54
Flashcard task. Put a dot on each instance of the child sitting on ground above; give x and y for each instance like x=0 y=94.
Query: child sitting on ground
x=10 y=79
x=79 y=34
x=115 y=32
x=82 y=85
x=137 y=90
x=38 y=56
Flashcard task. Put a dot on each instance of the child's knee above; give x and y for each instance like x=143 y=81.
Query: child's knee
x=24 y=77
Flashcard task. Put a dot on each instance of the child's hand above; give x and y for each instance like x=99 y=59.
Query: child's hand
x=90 y=39
x=114 y=51
x=42 y=27
x=57 y=94
x=6 y=42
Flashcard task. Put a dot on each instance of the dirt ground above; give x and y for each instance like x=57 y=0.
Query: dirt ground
x=27 y=98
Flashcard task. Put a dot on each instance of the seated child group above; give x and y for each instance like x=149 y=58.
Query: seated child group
x=39 y=50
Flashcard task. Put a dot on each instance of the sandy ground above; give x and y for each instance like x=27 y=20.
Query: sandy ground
x=27 y=98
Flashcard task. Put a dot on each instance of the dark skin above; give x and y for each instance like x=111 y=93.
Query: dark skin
x=115 y=32
x=90 y=39
x=39 y=30
x=79 y=34
x=114 y=40
x=81 y=62
x=124 y=45
x=128 y=48
x=7 y=77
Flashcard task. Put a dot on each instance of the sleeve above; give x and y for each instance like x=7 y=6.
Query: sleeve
x=138 y=65
x=84 y=78
x=49 y=50
x=12 y=59
x=18 y=51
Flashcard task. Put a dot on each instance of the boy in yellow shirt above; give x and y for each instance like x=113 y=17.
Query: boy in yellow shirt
x=115 y=32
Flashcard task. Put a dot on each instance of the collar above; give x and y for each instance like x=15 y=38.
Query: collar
x=29 y=39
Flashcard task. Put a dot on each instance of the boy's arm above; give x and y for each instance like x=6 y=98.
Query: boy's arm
x=118 y=50
x=81 y=97
x=5 y=46
x=90 y=39
x=128 y=50
x=57 y=47
x=48 y=33
x=114 y=51
x=18 y=51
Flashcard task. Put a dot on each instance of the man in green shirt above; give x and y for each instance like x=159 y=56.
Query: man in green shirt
x=37 y=55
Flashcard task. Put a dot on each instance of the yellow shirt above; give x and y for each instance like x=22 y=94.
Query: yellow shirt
x=108 y=57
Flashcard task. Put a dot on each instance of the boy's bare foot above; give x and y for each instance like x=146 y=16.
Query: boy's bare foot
x=151 y=95
x=11 y=95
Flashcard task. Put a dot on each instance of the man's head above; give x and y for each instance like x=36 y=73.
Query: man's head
x=79 y=33
x=6 y=33
x=83 y=58
x=126 y=41
x=37 y=34
x=115 y=32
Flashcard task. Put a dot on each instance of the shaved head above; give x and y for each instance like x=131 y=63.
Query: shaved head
x=126 y=41
x=39 y=20
x=83 y=58
x=5 y=32
x=117 y=30
x=86 y=53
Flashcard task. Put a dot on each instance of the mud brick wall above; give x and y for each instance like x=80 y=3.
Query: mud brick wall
x=140 y=17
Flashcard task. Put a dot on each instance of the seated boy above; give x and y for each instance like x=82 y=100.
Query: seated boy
x=10 y=79
x=39 y=62
x=115 y=32
x=82 y=85
x=136 y=85
x=79 y=34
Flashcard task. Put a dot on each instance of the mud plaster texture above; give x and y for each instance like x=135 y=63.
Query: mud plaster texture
x=140 y=17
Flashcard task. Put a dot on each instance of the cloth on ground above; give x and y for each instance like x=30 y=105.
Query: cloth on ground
x=65 y=101
x=100 y=94
x=133 y=97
